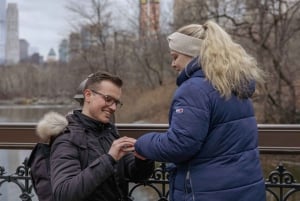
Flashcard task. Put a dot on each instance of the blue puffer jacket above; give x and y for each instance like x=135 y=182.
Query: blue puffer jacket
x=212 y=143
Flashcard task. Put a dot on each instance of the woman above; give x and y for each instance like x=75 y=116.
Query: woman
x=212 y=137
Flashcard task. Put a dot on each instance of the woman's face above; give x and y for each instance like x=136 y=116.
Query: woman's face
x=179 y=61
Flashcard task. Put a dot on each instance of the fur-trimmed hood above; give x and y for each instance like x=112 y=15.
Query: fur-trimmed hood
x=50 y=125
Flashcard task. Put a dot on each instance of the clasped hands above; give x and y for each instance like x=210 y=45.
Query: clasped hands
x=123 y=146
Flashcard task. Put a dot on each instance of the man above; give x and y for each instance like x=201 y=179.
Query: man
x=100 y=173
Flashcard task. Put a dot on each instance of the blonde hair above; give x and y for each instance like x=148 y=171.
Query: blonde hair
x=225 y=63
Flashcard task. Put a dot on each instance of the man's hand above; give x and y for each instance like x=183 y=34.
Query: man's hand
x=121 y=147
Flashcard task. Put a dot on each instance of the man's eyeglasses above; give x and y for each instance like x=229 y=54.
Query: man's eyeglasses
x=108 y=99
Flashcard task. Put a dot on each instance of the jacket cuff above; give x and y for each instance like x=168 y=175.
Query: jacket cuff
x=111 y=159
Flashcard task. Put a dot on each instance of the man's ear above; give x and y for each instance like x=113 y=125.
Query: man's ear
x=87 y=93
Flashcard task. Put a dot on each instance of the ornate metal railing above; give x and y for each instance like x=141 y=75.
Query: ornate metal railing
x=21 y=178
x=159 y=176
x=274 y=140
x=280 y=183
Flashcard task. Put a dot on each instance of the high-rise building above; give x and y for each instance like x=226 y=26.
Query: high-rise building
x=51 y=57
x=12 y=34
x=63 y=51
x=74 y=46
x=36 y=58
x=154 y=15
x=149 y=17
x=24 y=49
x=88 y=36
x=2 y=30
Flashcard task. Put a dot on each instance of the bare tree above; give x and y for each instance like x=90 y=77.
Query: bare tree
x=149 y=50
x=269 y=30
x=96 y=32
x=272 y=27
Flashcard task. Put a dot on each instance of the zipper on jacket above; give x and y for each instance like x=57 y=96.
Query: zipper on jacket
x=189 y=186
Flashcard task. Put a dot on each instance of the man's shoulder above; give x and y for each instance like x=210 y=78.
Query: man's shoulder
x=75 y=135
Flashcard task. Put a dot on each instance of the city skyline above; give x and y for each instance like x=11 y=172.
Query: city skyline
x=42 y=28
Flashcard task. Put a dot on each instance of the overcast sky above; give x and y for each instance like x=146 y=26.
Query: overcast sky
x=45 y=23
x=42 y=23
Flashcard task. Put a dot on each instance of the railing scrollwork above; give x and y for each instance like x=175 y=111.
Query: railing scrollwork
x=159 y=176
x=21 y=178
x=280 y=183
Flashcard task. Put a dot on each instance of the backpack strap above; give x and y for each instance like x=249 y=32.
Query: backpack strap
x=39 y=164
x=78 y=137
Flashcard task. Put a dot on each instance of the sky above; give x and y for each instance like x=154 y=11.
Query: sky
x=45 y=23
x=42 y=23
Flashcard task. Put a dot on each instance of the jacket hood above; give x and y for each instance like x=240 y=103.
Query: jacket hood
x=51 y=125
x=246 y=90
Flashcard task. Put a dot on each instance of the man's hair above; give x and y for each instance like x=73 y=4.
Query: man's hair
x=100 y=76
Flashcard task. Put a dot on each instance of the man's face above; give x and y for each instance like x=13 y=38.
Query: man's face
x=100 y=101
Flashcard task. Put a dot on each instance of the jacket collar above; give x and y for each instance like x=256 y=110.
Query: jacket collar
x=192 y=69
x=88 y=122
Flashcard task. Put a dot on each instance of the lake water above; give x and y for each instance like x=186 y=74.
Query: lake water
x=30 y=113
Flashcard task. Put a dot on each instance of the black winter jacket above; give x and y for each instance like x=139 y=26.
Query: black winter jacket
x=94 y=176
